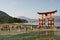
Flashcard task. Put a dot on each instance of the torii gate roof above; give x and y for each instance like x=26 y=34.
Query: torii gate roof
x=47 y=12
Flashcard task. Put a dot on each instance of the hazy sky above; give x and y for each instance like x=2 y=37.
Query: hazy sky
x=29 y=8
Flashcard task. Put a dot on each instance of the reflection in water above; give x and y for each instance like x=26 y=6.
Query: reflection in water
x=47 y=35
x=51 y=35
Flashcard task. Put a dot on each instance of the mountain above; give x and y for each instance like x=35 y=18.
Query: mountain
x=3 y=14
x=5 y=18
x=28 y=19
x=56 y=19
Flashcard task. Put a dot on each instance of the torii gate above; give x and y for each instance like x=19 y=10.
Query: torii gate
x=42 y=19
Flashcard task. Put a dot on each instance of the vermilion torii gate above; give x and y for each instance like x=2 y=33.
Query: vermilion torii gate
x=42 y=19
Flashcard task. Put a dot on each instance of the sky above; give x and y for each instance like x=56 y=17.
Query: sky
x=29 y=8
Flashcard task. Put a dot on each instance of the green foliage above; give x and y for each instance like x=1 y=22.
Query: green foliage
x=11 y=20
x=5 y=18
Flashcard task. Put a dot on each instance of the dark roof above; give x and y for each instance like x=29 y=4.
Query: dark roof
x=47 y=12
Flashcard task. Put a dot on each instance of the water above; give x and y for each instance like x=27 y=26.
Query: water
x=50 y=36
x=56 y=24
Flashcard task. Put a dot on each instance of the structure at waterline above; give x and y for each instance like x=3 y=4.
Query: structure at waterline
x=42 y=19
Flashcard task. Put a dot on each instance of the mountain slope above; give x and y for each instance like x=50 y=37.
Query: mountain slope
x=3 y=14
x=56 y=19
x=5 y=18
x=28 y=19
